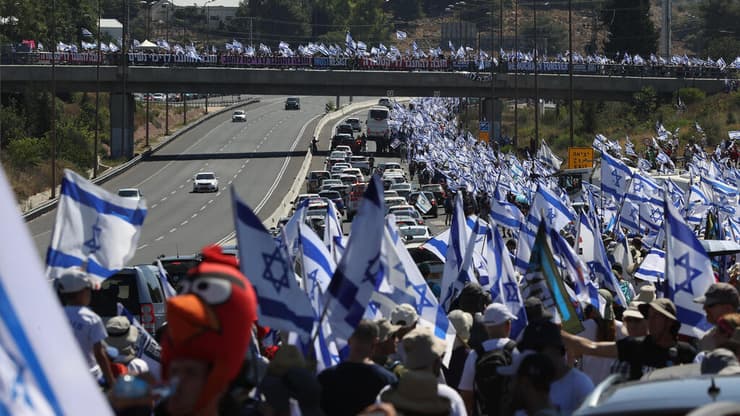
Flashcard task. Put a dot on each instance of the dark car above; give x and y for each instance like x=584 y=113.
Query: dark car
x=293 y=103
x=342 y=139
x=355 y=123
x=437 y=190
x=345 y=128
x=413 y=196
x=177 y=267
x=336 y=198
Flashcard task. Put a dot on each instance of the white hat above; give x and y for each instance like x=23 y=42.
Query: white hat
x=404 y=314
x=497 y=314
x=72 y=281
x=462 y=322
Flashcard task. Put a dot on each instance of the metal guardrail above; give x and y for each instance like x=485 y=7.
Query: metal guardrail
x=113 y=172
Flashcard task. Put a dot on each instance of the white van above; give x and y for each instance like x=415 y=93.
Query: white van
x=377 y=123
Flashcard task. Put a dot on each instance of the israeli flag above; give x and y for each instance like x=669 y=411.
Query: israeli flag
x=652 y=268
x=437 y=245
x=359 y=271
x=503 y=278
x=431 y=314
x=42 y=371
x=594 y=254
x=318 y=267
x=400 y=35
x=281 y=302
x=506 y=214
x=169 y=291
x=614 y=176
x=333 y=235
x=459 y=257
x=94 y=230
x=688 y=270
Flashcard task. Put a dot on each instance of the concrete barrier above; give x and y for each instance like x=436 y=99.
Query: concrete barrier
x=113 y=172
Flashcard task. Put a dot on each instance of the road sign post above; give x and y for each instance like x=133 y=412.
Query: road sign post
x=580 y=157
x=483 y=131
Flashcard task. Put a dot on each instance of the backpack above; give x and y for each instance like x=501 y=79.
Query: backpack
x=491 y=388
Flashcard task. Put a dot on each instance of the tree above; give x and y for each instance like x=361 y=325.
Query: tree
x=276 y=20
x=407 y=9
x=629 y=27
x=719 y=35
x=552 y=37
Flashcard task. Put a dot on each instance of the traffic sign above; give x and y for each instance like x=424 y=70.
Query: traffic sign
x=483 y=129
x=580 y=157
x=484 y=126
x=389 y=93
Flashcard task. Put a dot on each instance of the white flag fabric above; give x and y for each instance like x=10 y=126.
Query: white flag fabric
x=459 y=257
x=42 y=371
x=359 y=271
x=652 y=268
x=281 y=302
x=688 y=270
x=95 y=229
x=400 y=35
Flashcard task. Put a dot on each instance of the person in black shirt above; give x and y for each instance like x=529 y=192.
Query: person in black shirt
x=352 y=385
x=639 y=355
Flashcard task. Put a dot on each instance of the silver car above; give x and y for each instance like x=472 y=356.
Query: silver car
x=205 y=182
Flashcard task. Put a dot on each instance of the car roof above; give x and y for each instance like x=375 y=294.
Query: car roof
x=661 y=396
x=205 y=173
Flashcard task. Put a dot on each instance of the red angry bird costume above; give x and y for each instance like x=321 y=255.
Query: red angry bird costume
x=211 y=321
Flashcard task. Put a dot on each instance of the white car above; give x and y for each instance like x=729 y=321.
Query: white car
x=130 y=193
x=205 y=181
x=239 y=115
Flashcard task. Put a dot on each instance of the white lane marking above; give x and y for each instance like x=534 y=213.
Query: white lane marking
x=164 y=198
x=182 y=186
x=172 y=230
x=194 y=215
x=183 y=223
x=155 y=205
x=142 y=246
x=160 y=238
x=231 y=181
x=240 y=170
x=210 y=201
x=173 y=192
x=203 y=207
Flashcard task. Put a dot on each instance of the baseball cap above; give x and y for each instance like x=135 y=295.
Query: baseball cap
x=719 y=293
x=662 y=305
x=497 y=314
x=386 y=329
x=73 y=281
x=404 y=315
x=421 y=348
x=540 y=334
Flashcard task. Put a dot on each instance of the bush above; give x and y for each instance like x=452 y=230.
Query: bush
x=690 y=95
x=644 y=103
x=27 y=151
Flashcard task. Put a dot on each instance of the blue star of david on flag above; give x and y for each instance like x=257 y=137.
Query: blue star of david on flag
x=279 y=277
x=314 y=284
x=638 y=186
x=656 y=215
x=617 y=176
x=424 y=301
x=551 y=215
x=512 y=292
x=371 y=272
x=691 y=274
x=93 y=244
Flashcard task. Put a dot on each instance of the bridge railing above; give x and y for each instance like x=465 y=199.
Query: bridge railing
x=368 y=64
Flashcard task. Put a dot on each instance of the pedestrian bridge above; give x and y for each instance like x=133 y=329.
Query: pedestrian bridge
x=293 y=81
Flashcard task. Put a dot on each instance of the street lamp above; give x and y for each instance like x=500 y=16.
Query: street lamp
x=570 y=68
x=53 y=100
x=148 y=4
x=97 y=100
x=208 y=29
x=516 y=74
x=536 y=89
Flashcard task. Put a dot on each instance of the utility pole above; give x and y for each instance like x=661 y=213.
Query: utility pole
x=516 y=74
x=97 y=100
x=53 y=100
x=536 y=89
x=666 y=31
x=570 y=68
x=167 y=95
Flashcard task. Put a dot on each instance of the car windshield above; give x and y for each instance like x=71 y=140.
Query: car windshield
x=238 y=113
x=379 y=114
x=414 y=231
x=292 y=100
x=128 y=192
x=205 y=176
x=330 y=194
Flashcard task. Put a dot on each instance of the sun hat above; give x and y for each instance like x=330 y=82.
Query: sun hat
x=633 y=311
x=462 y=322
x=608 y=307
x=646 y=295
x=536 y=309
x=421 y=348
x=121 y=335
x=719 y=294
x=416 y=392
x=72 y=281
x=404 y=315
x=662 y=305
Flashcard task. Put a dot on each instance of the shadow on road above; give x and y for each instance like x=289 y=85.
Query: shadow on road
x=238 y=155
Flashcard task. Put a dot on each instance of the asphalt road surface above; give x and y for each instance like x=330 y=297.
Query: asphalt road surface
x=261 y=158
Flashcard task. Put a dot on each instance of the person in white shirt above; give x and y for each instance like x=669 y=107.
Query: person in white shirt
x=75 y=290
x=497 y=321
x=423 y=353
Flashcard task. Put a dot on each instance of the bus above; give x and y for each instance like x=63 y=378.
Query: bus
x=377 y=123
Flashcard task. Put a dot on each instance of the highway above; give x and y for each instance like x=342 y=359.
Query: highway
x=254 y=156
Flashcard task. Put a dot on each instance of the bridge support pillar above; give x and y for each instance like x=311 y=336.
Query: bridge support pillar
x=492 y=111
x=122 y=108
